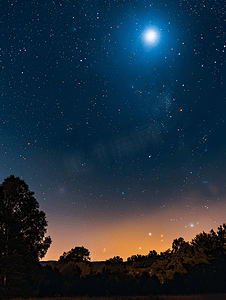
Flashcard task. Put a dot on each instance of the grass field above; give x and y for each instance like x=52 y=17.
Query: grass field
x=179 y=297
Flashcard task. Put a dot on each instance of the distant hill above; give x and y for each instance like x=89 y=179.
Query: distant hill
x=48 y=262
x=97 y=264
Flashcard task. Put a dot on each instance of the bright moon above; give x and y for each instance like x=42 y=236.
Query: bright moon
x=151 y=36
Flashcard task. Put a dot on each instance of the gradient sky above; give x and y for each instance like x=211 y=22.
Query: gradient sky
x=122 y=138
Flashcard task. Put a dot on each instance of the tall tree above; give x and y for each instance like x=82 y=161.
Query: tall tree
x=21 y=219
x=22 y=232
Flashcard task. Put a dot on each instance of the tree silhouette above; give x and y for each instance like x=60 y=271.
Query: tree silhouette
x=22 y=226
x=21 y=219
x=77 y=254
x=115 y=259
x=152 y=253
x=221 y=238
x=178 y=244
x=208 y=242
x=182 y=258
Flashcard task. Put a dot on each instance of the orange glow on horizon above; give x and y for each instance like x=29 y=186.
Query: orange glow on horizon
x=132 y=235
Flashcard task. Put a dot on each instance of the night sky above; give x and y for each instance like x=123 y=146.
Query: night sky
x=114 y=114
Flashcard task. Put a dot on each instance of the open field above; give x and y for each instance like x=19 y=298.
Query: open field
x=178 y=297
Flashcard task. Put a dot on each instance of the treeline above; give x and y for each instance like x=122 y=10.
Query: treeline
x=187 y=268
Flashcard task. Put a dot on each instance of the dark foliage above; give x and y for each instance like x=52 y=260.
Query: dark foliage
x=18 y=276
x=188 y=268
x=22 y=241
x=50 y=282
x=21 y=219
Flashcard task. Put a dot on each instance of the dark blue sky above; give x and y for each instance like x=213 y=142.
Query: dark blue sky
x=95 y=118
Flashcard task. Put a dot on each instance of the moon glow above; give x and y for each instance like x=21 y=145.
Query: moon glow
x=151 y=36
